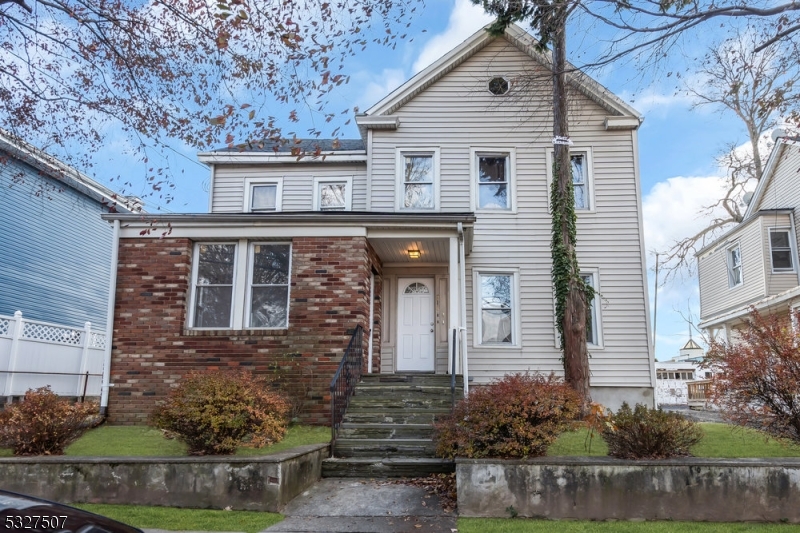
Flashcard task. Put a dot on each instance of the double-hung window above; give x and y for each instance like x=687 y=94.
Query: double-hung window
x=333 y=194
x=592 y=311
x=240 y=285
x=493 y=175
x=582 y=177
x=734 y=266
x=263 y=195
x=497 y=320
x=780 y=246
x=418 y=180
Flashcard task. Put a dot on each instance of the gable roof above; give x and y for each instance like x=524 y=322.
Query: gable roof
x=63 y=173
x=522 y=40
x=769 y=171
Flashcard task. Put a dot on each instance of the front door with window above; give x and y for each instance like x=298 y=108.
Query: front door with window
x=416 y=325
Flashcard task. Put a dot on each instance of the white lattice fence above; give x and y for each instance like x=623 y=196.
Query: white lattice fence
x=35 y=354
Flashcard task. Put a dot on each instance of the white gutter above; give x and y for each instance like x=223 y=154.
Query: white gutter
x=463 y=299
x=371 y=318
x=112 y=293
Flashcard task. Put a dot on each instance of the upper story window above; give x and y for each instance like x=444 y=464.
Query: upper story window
x=499 y=86
x=263 y=195
x=418 y=180
x=734 y=266
x=228 y=295
x=493 y=180
x=780 y=246
x=333 y=194
x=582 y=177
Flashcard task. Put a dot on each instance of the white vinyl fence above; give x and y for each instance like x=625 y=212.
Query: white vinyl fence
x=34 y=354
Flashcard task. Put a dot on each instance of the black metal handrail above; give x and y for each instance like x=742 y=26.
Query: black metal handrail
x=344 y=381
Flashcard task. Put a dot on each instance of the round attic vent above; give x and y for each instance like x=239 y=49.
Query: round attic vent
x=498 y=86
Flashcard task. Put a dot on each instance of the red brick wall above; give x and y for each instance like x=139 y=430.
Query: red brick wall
x=152 y=349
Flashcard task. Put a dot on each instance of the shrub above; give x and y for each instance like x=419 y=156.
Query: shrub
x=517 y=416
x=214 y=412
x=645 y=433
x=756 y=380
x=43 y=423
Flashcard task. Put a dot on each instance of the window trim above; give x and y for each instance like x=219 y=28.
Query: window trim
x=792 y=250
x=729 y=267
x=242 y=288
x=348 y=193
x=597 y=312
x=511 y=171
x=515 y=309
x=249 y=183
x=190 y=315
x=400 y=155
x=590 y=177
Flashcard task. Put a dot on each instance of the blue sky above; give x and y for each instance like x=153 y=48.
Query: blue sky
x=678 y=144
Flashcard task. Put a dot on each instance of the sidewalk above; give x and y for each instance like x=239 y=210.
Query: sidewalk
x=364 y=506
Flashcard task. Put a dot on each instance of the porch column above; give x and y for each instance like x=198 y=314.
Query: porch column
x=453 y=305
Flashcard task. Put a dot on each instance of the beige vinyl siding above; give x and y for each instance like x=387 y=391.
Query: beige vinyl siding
x=298 y=184
x=715 y=294
x=777 y=282
x=458 y=113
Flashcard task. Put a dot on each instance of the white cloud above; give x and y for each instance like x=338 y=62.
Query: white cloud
x=465 y=19
x=378 y=86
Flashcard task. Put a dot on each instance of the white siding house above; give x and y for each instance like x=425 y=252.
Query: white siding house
x=449 y=185
x=755 y=264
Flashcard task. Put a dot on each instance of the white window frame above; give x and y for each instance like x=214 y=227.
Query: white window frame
x=243 y=273
x=249 y=285
x=587 y=153
x=729 y=267
x=193 y=287
x=511 y=170
x=792 y=250
x=249 y=183
x=515 y=309
x=400 y=158
x=348 y=193
x=596 y=308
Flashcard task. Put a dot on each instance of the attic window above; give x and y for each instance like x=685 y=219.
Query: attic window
x=498 y=86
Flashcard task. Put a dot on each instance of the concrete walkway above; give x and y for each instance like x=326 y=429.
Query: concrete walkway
x=364 y=506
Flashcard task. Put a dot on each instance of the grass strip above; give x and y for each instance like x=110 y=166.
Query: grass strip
x=174 y=519
x=524 y=525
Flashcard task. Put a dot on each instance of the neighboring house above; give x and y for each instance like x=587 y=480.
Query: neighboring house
x=755 y=264
x=55 y=256
x=674 y=376
x=431 y=231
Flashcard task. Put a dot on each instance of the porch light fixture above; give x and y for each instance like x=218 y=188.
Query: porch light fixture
x=413 y=253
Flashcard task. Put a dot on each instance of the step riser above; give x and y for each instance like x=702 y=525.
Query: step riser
x=358 y=402
x=426 y=379
x=390 y=432
x=401 y=390
x=378 y=469
x=386 y=450
x=383 y=417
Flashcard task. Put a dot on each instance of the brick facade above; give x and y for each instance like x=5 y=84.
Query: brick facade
x=152 y=349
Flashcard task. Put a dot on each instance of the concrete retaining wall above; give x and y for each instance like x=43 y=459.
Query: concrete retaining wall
x=244 y=483
x=610 y=489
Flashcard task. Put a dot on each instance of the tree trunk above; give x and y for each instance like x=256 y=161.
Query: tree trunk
x=573 y=326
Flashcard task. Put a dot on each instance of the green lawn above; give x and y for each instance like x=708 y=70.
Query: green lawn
x=720 y=440
x=185 y=519
x=143 y=441
x=522 y=525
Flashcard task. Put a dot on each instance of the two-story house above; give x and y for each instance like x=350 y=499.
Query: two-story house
x=431 y=231
x=755 y=264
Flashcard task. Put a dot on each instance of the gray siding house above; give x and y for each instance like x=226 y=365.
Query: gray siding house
x=55 y=250
x=443 y=206
x=755 y=264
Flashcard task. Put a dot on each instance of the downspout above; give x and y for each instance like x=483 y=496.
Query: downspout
x=371 y=318
x=112 y=293
x=463 y=313
x=793 y=229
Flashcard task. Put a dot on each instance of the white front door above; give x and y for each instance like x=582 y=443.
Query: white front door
x=416 y=325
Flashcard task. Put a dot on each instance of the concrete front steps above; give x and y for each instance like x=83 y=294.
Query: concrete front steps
x=388 y=427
